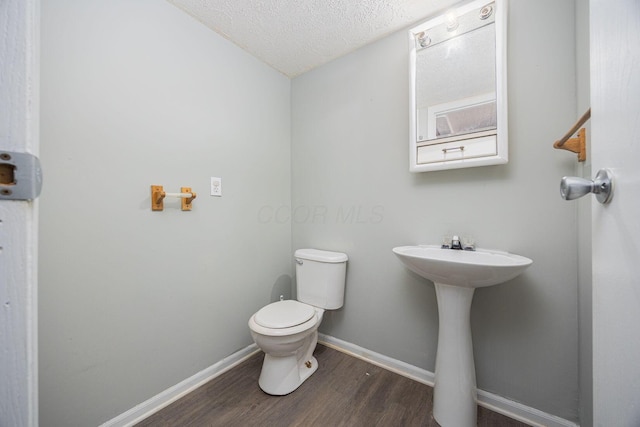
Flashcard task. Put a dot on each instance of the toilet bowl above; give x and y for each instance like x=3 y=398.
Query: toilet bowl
x=287 y=331
x=288 y=359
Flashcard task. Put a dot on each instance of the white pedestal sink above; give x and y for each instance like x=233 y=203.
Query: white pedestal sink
x=456 y=275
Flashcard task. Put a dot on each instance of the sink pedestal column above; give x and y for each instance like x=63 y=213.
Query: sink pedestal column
x=454 y=394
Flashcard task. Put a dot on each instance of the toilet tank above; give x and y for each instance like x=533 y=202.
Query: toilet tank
x=320 y=277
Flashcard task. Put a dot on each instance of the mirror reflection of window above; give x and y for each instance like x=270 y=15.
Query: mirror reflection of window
x=476 y=118
x=469 y=115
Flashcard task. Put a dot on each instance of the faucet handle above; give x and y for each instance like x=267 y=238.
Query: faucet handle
x=468 y=243
x=446 y=242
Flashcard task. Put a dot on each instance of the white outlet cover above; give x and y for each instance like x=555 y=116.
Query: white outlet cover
x=216 y=186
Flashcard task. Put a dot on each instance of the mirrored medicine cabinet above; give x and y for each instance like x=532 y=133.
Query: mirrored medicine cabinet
x=458 y=90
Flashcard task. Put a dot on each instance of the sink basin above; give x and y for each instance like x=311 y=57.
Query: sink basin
x=456 y=275
x=471 y=269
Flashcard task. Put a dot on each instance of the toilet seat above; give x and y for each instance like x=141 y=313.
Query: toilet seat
x=284 y=314
x=305 y=325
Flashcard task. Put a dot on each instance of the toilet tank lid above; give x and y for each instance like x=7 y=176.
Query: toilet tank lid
x=320 y=255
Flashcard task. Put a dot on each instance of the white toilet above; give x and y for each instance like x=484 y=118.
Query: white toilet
x=287 y=331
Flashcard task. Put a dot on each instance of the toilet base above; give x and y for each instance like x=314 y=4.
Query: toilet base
x=288 y=358
x=282 y=375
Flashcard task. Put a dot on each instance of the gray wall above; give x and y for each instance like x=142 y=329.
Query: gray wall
x=133 y=301
x=350 y=155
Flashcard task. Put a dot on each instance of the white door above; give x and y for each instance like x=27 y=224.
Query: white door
x=615 y=125
x=19 y=34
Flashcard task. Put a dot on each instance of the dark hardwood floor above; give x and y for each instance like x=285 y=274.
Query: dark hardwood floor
x=344 y=391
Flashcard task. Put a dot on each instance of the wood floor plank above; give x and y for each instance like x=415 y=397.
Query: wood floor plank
x=344 y=391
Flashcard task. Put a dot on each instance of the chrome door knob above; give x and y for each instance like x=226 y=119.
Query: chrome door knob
x=572 y=187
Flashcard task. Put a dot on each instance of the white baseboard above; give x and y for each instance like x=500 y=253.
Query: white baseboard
x=515 y=410
x=509 y=408
x=170 y=395
x=401 y=368
x=520 y=412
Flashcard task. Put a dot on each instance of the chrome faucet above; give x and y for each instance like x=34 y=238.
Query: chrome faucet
x=458 y=244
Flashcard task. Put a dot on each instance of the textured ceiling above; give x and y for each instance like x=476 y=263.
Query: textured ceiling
x=295 y=36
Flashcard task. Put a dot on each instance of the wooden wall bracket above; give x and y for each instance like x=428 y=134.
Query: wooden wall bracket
x=186 y=201
x=157 y=198
x=576 y=145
